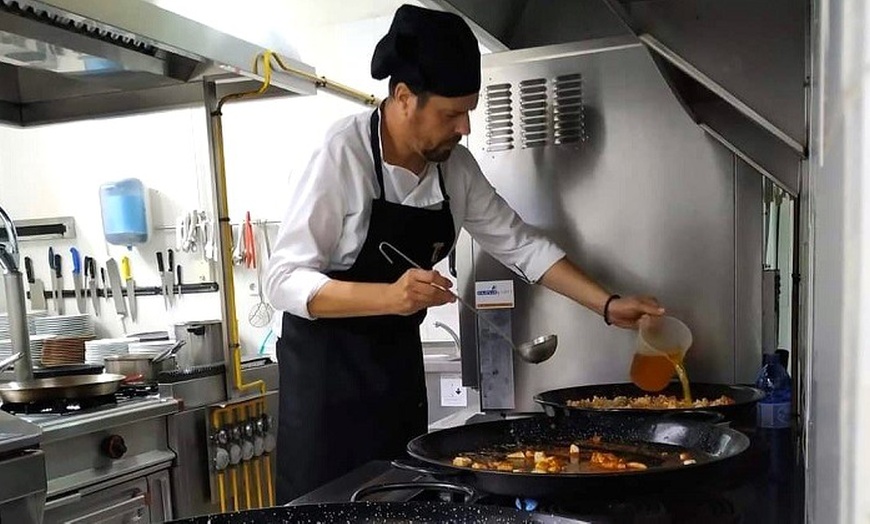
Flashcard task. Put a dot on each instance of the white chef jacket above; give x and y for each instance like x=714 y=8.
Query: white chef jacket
x=326 y=222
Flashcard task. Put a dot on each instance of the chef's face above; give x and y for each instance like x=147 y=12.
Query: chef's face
x=438 y=123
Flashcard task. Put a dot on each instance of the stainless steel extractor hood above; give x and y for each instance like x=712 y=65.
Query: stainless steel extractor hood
x=64 y=60
x=740 y=68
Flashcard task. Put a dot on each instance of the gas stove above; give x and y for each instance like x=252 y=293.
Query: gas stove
x=104 y=451
x=767 y=488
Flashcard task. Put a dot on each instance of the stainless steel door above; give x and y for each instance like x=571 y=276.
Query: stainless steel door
x=143 y=500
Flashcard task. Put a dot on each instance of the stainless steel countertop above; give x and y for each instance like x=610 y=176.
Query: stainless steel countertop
x=17 y=434
x=58 y=427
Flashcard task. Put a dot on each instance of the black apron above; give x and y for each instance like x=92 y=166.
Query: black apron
x=353 y=389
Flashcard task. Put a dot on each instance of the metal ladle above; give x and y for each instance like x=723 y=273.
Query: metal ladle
x=535 y=351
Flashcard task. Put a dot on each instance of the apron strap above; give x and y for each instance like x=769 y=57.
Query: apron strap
x=375 y=135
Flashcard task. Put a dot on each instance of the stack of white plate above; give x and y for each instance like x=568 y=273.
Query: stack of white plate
x=64 y=325
x=31 y=315
x=150 y=348
x=96 y=351
x=36 y=344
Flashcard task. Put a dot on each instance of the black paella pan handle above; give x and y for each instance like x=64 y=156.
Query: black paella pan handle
x=471 y=496
x=700 y=415
x=424 y=468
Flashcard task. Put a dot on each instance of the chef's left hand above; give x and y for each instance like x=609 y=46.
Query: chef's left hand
x=625 y=312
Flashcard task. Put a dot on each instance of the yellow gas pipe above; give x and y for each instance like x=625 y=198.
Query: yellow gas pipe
x=226 y=260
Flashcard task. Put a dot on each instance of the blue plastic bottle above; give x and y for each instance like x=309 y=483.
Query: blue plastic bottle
x=774 y=410
x=126 y=217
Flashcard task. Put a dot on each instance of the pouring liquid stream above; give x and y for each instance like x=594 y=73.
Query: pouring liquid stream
x=653 y=372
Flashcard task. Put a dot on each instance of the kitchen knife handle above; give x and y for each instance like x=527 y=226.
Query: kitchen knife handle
x=170 y=260
x=28 y=269
x=103 y=278
x=126 y=274
x=160 y=266
x=178 y=275
x=58 y=263
x=87 y=267
x=77 y=260
x=51 y=257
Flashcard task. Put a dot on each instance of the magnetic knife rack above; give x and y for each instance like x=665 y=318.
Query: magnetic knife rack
x=145 y=291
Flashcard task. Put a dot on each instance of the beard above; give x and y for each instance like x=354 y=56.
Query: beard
x=441 y=152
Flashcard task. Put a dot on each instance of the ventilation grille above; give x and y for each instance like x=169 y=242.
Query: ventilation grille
x=499 y=118
x=533 y=113
x=550 y=113
x=569 y=126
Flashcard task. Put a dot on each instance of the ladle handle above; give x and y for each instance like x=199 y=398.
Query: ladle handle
x=492 y=325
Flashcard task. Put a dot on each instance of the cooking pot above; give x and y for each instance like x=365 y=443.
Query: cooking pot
x=142 y=367
x=204 y=343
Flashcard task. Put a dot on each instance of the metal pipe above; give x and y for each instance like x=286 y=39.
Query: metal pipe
x=16 y=309
x=18 y=330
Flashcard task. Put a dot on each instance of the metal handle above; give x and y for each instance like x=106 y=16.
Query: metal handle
x=121 y=508
x=77 y=260
x=6 y=362
x=492 y=325
x=28 y=270
x=425 y=469
x=168 y=352
x=471 y=496
x=700 y=415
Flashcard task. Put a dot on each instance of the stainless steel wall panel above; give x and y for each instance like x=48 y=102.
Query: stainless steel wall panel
x=645 y=205
x=749 y=261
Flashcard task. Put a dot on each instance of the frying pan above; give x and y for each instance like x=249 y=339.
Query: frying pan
x=70 y=387
x=722 y=446
x=556 y=401
x=412 y=512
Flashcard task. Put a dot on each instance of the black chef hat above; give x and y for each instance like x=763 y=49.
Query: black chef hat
x=430 y=50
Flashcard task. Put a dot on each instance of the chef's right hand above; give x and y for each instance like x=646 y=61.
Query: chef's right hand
x=417 y=290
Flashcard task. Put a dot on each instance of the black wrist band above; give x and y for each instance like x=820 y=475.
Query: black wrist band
x=607 y=307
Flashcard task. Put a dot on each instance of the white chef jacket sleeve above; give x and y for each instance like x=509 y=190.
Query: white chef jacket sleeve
x=501 y=232
x=309 y=233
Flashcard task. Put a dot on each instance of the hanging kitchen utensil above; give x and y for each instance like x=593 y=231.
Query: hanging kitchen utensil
x=54 y=262
x=250 y=249
x=261 y=313
x=91 y=276
x=127 y=276
x=178 y=281
x=81 y=303
x=165 y=283
x=37 y=288
x=117 y=294
x=239 y=247
x=105 y=284
x=535 y=352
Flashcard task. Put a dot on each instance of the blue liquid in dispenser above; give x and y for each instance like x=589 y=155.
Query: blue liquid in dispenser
x=126 y=218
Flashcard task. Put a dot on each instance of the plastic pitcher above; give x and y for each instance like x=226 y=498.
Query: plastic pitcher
x=662 y=343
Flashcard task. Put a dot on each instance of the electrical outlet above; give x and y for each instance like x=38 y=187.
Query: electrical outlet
x=453 y=393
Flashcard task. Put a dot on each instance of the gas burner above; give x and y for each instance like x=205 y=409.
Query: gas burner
x=131 y=391
x=59 y=406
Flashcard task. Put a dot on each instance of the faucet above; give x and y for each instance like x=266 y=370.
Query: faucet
x=13 y=282
x=453 y=335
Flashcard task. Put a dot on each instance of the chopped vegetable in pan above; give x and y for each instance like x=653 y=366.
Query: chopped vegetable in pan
x=648 y=402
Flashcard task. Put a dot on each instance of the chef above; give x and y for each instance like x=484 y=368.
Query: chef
x=352 y=385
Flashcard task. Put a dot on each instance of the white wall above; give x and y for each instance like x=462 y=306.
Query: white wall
x=56 y=171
